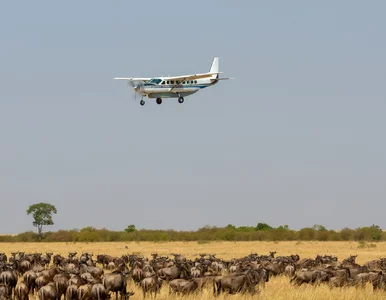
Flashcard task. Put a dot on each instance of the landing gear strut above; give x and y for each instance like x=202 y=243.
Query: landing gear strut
x=159 y=101
x=142 y=102
x=180 y=99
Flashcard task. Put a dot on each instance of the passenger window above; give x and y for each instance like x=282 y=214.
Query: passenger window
x=172 y=82
x=163 y=82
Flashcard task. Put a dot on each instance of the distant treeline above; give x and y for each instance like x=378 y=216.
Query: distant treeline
x=261 y=232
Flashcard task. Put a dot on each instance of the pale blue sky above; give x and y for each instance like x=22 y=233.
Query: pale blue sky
x=298 y=138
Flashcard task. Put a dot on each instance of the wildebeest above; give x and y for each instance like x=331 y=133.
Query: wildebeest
x=29 y=278
x=151 y=285
x=116 y=283
x=174 y=272
x=310 y=277
x=98 y=292
x=50 y=273
x=137 y=274
x=375 y=278
x=21 y=291
x=183 y=286
x=94 y=271
x=4 y=292
x=9 y=278
x=61 y=284
x=72 y=292
x=84 y=292
x=47 y=292
x=289 y=270
x=40 y=281
x=104 y=259
x=236 y=283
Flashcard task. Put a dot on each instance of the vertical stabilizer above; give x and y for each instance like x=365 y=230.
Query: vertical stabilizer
x=214 y=67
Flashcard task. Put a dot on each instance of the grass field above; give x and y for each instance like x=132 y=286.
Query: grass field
x=276 y=288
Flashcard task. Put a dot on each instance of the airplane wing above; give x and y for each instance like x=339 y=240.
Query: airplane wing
x=133 y=79
x=192 y=77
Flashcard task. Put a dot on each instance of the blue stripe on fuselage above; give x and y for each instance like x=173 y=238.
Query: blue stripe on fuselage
x=177 y=87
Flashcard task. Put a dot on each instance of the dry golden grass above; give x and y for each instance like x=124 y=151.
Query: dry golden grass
x=276 y=288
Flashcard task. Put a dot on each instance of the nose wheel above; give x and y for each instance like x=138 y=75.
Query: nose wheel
x=142 y=102
x=180 y=99
x=159 y=101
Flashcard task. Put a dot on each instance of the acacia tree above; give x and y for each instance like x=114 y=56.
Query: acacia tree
x=42 y=215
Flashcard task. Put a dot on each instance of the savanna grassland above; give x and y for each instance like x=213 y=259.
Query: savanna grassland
x=276 y=288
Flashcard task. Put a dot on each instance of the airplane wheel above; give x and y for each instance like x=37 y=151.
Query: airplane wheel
x=181 y=100
x=159 y=101
x=142 y=102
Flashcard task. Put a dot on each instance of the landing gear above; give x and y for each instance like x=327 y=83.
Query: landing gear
x=180 y=99
x=142 y=102
x=159 y=101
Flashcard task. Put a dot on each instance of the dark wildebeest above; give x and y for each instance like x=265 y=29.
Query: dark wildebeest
x=59 y=260
x=40 y=282
x=4 y=292
x=104 y=259
x=22 y=266
x=94 y=271
x=50 y=273
x=77 y=280
x=116 y=281
x=21 y=291
x=98 y=292
x=3 y=257
x=29 y=278
x=61 y=284
x=46 y=259
x=9 y=278
x=183 y=286
x=314 y=276
x=236 y=283
x=72 y=292
x=375 y=278
x=151 y=285
x=47 y=292
x=174 y=272
x=137 y=274
x=87 y=277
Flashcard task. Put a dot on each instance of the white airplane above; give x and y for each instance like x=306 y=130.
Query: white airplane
x=174 y=86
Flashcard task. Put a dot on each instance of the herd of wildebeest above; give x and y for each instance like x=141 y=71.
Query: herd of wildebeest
x=84 y=277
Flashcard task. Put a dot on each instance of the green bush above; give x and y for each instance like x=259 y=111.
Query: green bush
x=262 y=232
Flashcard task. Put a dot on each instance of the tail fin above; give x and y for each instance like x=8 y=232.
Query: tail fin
x=214 y=67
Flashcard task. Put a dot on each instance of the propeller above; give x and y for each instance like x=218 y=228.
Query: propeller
x=136 y=85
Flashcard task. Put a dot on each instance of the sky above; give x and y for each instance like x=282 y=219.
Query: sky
x=297 y=138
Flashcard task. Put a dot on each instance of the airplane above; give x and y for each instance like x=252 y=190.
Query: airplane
x=174 y=86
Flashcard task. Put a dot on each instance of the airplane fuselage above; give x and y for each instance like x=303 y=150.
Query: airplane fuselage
x=166 y=88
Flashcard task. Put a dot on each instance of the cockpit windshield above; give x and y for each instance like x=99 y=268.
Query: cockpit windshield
x=155 y=81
